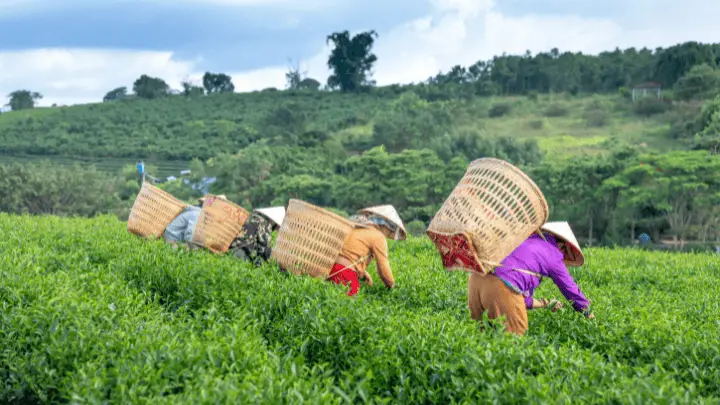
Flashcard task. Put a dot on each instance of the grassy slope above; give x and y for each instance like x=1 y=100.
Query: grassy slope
x=147 y=129
x=183 y=328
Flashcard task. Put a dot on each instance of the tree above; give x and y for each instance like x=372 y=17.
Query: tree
x=286 y=123
x=709 y=120
x=701 y=82
x=150 y=87
x=115 y=94
x=681 y=185
x=46 y=188
x=217 y=83
x=309 y=83
x=674 y=62
x=297 y=80
x=192 y=90
x=23 y=99
x=410 y=123
x=351 y=60
x=294 y=77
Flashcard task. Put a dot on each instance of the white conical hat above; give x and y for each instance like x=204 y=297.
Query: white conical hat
x=389 y=214
x=275 y=214
x=562 y=230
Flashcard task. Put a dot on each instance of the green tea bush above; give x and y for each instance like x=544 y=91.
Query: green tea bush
x=92 y=314
x=597 y=118
x=499 y=110
x=646 y=107
x=557 y=110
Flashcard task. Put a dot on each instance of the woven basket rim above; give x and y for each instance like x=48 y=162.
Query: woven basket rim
x=229 y=202
x=324 y=211
x=157 y=190
x=521 y=173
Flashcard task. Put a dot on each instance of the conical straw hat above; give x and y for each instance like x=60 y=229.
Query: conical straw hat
x=274 y=214
x=562 y=230
x=389 y=214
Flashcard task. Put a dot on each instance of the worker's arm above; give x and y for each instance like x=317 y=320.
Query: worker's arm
x=569 y=289
x=380 y=251
x=530 y=302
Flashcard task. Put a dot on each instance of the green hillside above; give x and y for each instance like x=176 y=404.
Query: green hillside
x=545 y=97
x=178 y=128
x=569 y=120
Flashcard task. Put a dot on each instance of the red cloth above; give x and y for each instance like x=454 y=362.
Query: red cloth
x=456 y=251
x=340 y=276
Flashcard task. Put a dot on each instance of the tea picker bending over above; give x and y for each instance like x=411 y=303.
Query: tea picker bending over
x=509 y=289
x=181 y=228
x=253 y=243
x=365 y=242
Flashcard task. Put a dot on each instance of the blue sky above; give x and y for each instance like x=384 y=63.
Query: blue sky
x=227 y=37
x=74 y=51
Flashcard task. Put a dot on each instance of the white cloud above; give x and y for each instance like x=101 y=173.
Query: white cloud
x=84 y=75
x=465 y=31
x=457 y=32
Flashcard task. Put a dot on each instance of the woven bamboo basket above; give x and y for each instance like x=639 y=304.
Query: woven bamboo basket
x=220 y=221
x=310 y=239
x=153 y=211
x=493 y=209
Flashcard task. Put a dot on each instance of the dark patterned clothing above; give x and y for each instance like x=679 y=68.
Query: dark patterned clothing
x=253 y=242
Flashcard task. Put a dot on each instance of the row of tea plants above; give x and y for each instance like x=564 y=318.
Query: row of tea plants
x=91 y=314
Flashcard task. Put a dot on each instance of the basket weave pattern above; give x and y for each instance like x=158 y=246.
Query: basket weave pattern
x=496 y=205
x=220 y=221
x=310 y=240
x=153 y=211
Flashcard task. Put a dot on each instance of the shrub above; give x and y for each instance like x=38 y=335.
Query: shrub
x=416 y=228
x=556 y=110
x=499 y=110
x=536 y=124
x=596 y=118
x=650 y=106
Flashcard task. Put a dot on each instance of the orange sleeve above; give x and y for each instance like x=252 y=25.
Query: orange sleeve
x=380 y=252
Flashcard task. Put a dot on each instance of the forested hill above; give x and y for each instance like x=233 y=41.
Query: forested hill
x=200 y=123
x=612 y=164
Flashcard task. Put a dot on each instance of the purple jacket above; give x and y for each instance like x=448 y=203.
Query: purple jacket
x=545 y=258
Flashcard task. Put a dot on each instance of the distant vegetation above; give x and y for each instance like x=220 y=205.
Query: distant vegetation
x=612 y=166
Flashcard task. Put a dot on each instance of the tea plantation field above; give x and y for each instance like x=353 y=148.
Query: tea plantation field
x=90 y=314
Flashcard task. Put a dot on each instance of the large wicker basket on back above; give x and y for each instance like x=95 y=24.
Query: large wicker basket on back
x=310 y=239
x=220 y=221
x=153 y=211
x=493 y=209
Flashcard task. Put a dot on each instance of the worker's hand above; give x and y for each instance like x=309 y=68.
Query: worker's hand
x=365 y=276
x=591 y=316
x=554 y=305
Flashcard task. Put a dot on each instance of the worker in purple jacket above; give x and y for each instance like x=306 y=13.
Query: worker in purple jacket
x=509 y=289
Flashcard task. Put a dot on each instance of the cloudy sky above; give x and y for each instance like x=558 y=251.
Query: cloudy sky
x=74 y=51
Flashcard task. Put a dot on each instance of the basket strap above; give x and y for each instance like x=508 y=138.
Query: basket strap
x=351 y=267
x=532 y=273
